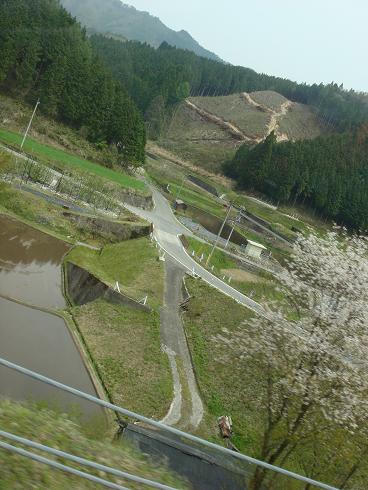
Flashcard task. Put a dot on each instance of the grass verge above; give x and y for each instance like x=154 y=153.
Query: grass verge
x=219 y=390
x=125 y=346
x=261 y=287
x=53 y=155
x=134 y=263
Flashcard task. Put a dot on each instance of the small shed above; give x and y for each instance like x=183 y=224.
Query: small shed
x=254 y=249
x=180 y=205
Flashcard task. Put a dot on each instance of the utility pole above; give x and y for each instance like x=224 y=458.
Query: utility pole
x=219 y=233
x=29 y=125
x=181 y=187
x=237 y=220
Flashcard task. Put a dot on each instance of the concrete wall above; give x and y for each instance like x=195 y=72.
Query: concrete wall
x=118 y=231
x=82 y=287
x=137 y=200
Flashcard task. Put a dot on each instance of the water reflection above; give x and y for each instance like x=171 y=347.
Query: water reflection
x=30 y=264
x=41 y=342
x=30 y=271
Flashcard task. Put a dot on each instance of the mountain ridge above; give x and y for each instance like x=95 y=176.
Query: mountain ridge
x=118 y=18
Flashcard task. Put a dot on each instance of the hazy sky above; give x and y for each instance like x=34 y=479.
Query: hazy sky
x=304 y=40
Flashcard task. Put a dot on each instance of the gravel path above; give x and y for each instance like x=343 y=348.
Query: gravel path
x=175 y=345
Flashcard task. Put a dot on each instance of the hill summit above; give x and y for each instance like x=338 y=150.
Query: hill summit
x=115 y=17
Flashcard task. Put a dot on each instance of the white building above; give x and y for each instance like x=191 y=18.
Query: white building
x=254 y=249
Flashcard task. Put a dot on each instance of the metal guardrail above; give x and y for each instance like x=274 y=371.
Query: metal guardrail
x=59 y=466
x=159 y=425
x=81 y=461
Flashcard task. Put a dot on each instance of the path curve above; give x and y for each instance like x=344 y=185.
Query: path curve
x=167 y=230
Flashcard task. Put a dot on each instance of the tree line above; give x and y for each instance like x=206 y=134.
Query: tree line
x=158 y=78
x=44 y=53
x=329 y=174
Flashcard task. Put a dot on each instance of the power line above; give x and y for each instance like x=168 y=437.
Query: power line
x=159 y=425
x=84 y=462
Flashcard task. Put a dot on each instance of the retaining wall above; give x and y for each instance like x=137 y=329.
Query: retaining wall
x=118 y=230
x=83 y=287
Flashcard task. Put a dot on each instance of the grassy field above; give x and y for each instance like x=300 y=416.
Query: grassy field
x=134 y=263
x=61 y=158
x=15 y=114
x=125 y=346
x=217 y=387
x=261 y=287
x=56 y=430
x=196 y=198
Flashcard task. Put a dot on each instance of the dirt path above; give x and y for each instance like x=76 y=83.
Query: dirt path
x=275 y=119
x=186 y=410
x=236 y=132
x=273 y=125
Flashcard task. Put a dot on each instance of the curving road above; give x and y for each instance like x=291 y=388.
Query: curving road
x=167 y=230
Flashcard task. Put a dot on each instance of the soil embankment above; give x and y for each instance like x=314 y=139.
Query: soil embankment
x=83 y=288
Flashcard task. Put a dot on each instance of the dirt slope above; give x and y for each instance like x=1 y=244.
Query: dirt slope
x=208 y=130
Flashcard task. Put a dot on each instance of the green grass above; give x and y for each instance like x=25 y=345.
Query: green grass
x=198 y=199
x=57 y=430
x=217 y=383
x=219 y=259
x=125 y=346
x=262 y=287
x=227 y=391
x=134 y=263
x=56 y=156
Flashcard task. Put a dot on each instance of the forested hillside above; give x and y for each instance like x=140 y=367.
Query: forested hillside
x=156 y=78
x=329 y=174
x=115 y=17
x=45 y=54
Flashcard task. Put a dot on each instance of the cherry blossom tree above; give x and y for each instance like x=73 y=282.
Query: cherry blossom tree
x=311 y=359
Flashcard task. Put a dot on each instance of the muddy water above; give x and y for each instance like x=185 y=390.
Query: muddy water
x=41 y=342
x=30 y=264
x=30 y=271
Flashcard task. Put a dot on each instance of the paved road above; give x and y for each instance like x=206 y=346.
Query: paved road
x=166 y=231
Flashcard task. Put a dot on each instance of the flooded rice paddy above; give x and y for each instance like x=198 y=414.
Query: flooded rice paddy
x=30 y=274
